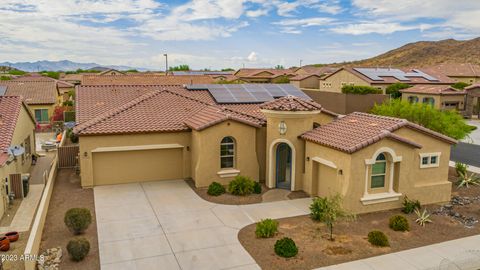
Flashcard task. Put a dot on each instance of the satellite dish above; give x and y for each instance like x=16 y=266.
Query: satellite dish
x=16 y=150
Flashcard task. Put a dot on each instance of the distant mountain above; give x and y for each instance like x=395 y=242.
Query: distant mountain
x=64 y=65
x=425 y=53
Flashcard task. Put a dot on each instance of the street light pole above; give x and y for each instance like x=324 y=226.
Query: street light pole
x=166 y=64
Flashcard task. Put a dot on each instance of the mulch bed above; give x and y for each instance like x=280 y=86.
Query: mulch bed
x=315 y=250
x=68 y=193
x=227 y=198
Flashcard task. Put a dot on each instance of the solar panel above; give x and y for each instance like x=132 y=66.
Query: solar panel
x=248 y=93
x=376 y=74
x=3 y=90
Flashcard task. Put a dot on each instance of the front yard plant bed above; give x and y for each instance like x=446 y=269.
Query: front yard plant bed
x=351 y=241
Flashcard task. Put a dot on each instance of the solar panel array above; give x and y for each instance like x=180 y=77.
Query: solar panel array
x=3 y=90
x=248 y=93
x=376 y=74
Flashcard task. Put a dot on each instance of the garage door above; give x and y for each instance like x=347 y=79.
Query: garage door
x=120 y=167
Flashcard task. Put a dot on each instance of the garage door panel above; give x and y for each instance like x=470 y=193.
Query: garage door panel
x=137 y=166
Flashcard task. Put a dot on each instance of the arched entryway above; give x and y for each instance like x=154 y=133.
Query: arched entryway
x=283 y=170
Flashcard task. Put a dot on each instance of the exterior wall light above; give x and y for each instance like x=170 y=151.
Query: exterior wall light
x=308 y=158
x=282 y=128
x=85 y=154
x=340 y=172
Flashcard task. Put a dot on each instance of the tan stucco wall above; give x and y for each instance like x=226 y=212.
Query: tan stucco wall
x=470 y=80
x=311 y=82
x=206 y=152
x=89 y=143
x=337 y=79
x=439 y=100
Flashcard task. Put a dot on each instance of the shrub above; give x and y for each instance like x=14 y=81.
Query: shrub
x=257 y=188
x=266 y=228
x=360 y=90
x=461 y=168
x=378 y=238
x=5 y=78
x=78 y=219
x=399 y=223
x=78 y=248
x=460 y=85
x=464 y=180
x=215 y=189
x=328 y=210
x=394 y=89
x=422 y=218
x=410 y=205
x=73 y=137
x=241 y=185
x=286 y=248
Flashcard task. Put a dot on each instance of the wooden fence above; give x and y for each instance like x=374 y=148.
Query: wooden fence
x=16 y=185
x=68 y=156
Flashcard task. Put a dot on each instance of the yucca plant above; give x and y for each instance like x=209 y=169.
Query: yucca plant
x=422 y=218
x=466 y=179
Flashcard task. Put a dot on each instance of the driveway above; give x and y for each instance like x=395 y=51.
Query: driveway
x=165 y=225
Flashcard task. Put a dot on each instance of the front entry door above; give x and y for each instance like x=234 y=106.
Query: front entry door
x=284 y=166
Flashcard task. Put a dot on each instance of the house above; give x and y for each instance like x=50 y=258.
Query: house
x=379 y=78
x=74 y=79
x=439 y=96
x=319 y=71
x=264 y=75
x=145 y=79
x=111 y=72
x=17 y=127
x=41 y=95
x=65 y=89
x=472 y=102
x=459 y=72
x=307 y=81
x=201 y=72
x=215 y=132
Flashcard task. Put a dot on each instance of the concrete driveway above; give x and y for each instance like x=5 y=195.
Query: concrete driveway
x=165 y=225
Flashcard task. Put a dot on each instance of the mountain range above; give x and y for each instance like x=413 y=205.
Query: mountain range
x=63 y=65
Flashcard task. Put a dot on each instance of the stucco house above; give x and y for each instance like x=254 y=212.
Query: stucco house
x=472 y=102
x=146 y=133
x=263 y=75
x=439 y=96
x=380 y=78
x=17 y=127
x=39 y=93
x=145 y=79
x=460 y=72
x=306 y=81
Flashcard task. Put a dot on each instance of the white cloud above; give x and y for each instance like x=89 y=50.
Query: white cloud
x=252 y=57
x=305 y=22
x=257 y=13
x=375 y=27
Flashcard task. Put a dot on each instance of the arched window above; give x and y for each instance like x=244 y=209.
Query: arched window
x=429 y=100
x=413 y=99
x=379 y=170
x=227 y=153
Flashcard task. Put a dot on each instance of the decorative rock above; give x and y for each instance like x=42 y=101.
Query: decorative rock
x=50 y=259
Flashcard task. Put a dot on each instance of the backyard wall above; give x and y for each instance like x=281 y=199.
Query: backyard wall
x=345 y=103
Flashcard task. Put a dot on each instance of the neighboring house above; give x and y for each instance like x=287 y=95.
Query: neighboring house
x=306 y=81
x=64 y=88
x=460 y=72
x=145 y=79
x=201 y=72
x=472 y=102
x=320 y=71
x=17 y=127
x=41 y=96
x=149 y=133
x=263 y=75
x=111 y=72
x=74 y=78
x=379 y=78
x=439 y=96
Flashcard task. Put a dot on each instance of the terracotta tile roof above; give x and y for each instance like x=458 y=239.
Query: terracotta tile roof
x=473 y=86
x=320 y=71
x=63 y=84
x=291 y=104
x=145 y=79
x=254 y=72
x=433 y=90
x=156 y=111
x=33 y=92
x=75 y=77
x=9 y=112
x=356 y=131
x=212 y=115
x=458 y=69
x=34 y=78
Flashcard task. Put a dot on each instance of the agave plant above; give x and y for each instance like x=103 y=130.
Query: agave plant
x=422 y=218
x=466 y=179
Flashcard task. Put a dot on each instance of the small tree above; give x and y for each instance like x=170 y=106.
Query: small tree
x=328 y=210
x=179 y=68
x=58 y=114
x=279 y=67
x=460 y=85
x=394 y=89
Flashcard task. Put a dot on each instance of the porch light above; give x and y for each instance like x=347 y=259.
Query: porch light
x=85 y=154
x=282 y=128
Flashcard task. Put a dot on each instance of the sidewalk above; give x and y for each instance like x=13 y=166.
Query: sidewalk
x=461 y=253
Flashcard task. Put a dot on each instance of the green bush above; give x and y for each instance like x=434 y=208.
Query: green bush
x=78 y=219
x=394 y=89
x=241 y=185
x=460 y=85
x=78 y=248
x=410 y=205
x=461 y=168
x=399 y=223
x=215 y=189
x=266 y=228
x=360 y=90
x=286 y=248
x=73 y=137
x=257 y=188
x=378 y=238
x=5 y=78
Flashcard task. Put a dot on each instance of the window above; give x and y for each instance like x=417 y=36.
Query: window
x=429 y=160
x=429 y=100
x=41 y=115
x=413 y=99
x=227 y=153
x=379 y=169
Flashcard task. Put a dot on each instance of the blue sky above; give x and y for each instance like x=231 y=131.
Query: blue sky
x=225 y=33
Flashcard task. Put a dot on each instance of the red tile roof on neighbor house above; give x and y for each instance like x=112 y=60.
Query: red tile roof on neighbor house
x=145 y=79
x=433 y=90
x=356 y=131
x=458 y=69
x=301 y=77
x=319 y=71
x=10 y=107
x=33 y=92
x=291 y=104
x=254 y=72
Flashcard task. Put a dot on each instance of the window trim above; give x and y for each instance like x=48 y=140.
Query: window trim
x=429 y=156
x=228 y=155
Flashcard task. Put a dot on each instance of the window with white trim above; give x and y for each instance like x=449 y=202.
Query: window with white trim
x=429 y=160
x=379 y=170
x=227 y=153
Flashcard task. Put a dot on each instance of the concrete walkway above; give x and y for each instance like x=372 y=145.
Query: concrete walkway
x=165 y=225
